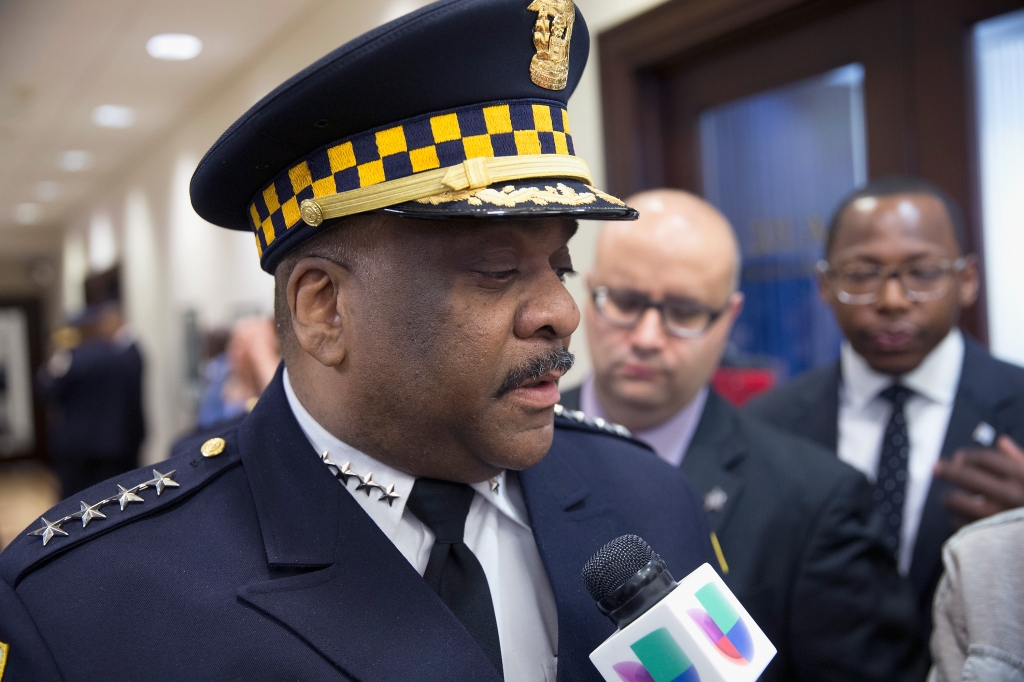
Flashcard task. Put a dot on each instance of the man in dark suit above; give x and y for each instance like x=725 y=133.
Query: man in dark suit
x=910 y=395
x=796 y=532
x=386 y=511
x=94 y=395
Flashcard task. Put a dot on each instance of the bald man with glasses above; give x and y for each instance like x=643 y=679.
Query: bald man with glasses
x=796 y=532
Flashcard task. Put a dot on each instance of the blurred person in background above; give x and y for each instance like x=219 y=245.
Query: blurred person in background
x=910 y=393
x=92 y=388
x=238 y=375
x=796 y=532
x=979 y=604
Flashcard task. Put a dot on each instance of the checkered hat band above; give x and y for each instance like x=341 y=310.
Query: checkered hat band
x=438 y=140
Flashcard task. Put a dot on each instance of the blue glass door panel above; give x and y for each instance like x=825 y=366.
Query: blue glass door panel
x=777 y=163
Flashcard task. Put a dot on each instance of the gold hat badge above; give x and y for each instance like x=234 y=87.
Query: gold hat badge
x=549 y=68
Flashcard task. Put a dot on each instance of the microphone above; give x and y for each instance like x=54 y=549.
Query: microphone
x=691 y=631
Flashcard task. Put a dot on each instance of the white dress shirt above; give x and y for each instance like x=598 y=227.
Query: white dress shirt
x=670 y=439
x=863 y=416
x=497 y=531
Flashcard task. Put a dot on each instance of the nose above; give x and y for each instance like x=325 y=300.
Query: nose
x=548 y=310
x=893 y=298
x=648 y=334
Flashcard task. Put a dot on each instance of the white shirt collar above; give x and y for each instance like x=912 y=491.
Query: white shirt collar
x=507 y=498
x=936 y=378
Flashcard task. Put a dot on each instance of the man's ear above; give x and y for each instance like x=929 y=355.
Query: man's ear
x=736 y=304
x=317 y=291
x=825 y=290
x=970 y=281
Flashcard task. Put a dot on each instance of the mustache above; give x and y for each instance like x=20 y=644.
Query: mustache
x=552 y=361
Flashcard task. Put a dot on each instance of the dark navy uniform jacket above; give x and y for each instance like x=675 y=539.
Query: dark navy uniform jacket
x=260 y=566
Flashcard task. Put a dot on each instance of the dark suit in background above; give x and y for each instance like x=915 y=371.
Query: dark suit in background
x=989 y=391
x=95 y=410
x=805 y=551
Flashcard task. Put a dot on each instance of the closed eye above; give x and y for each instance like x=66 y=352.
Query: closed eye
x=501 y=275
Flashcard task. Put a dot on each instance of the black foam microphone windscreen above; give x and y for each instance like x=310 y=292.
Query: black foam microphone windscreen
x=614 y=564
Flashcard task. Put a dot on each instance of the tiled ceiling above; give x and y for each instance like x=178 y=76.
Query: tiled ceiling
x=59 y=59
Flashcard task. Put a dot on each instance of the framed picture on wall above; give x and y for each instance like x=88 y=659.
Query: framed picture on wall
x=17 y=431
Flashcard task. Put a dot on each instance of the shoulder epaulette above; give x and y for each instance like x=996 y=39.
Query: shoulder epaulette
x=596 y=423
x=108 y=505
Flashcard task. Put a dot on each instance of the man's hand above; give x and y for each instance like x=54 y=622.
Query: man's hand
x=990 y=480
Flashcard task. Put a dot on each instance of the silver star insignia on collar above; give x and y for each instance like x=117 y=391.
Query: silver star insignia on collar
x=127 y=496
x=387 y=494
x=48 y=530
x=495 y=484
x=89 y=512
x=161 y=481
x=366 y=483
x=344 y=472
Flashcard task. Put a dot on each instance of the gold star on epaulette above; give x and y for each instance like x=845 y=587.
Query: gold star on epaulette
x=89 y=512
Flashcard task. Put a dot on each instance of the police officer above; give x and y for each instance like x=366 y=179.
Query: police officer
x=94 y=395
x=386 y=511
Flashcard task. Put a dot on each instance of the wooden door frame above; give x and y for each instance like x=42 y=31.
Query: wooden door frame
x=34 y=309
x=941 y=141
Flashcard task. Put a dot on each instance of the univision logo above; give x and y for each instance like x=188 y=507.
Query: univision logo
x=661 y=660
x=723 y=626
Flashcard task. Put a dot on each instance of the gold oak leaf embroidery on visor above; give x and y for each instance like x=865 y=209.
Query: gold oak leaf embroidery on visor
x=510 y=196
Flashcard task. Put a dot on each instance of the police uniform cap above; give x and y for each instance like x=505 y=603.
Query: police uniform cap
x=333 y=126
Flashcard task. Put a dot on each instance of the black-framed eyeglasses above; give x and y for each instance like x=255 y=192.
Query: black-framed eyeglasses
x=862 y=283
x=679 y=316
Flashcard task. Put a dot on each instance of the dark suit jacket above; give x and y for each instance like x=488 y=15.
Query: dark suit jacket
x=990 y=390
x=96 y=407
x=805 y=551
x=260 y=567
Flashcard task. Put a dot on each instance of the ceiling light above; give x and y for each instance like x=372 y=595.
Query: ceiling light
x=47 y=190
x=26 y=214
x=174 y=46
x=113 y=116
x=77 y=160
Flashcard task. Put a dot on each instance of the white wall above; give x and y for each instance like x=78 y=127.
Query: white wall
x=999 y=61
x=174 y=261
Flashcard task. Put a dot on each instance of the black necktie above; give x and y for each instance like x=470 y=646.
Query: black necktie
x=891 y=483
x=453 y=571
